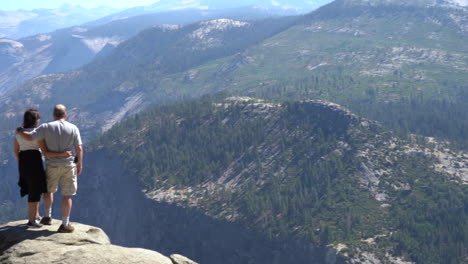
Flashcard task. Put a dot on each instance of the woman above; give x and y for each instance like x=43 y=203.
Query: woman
x=32 y=178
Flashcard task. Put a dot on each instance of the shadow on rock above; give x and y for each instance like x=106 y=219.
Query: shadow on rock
x=11 y=235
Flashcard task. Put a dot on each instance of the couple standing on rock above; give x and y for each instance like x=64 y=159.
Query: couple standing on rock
x=56 y=140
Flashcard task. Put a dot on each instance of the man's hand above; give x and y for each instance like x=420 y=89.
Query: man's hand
x=25 y=134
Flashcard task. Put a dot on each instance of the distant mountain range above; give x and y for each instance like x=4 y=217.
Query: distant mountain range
x=22 y=23
x=165 y=49
x=374 y=53
x=276 y=7
x=421 y=3
x=70 y=48
x=300 y=6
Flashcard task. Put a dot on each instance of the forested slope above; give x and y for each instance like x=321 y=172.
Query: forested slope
x=307 y=170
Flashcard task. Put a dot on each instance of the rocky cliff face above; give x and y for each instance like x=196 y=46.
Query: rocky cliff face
x=87 y=244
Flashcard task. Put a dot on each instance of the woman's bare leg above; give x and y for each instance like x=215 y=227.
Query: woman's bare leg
x=33 y=211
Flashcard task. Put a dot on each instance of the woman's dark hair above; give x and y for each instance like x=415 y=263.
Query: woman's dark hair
x=30 y=118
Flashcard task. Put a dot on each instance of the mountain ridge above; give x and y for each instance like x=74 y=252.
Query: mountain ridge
x=22 y=23
x=160 y=48
x=71 y=48
x=310 y=170
x=421 y=3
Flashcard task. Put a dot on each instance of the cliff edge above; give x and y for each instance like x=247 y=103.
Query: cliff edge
x=87 y=244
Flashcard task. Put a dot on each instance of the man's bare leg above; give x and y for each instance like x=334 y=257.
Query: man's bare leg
x=66 y=209
x=48 y=200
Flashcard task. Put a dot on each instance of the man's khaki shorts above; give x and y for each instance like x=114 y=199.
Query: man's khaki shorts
x=65 y=174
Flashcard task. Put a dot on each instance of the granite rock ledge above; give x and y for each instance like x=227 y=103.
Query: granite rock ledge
x=86 y=245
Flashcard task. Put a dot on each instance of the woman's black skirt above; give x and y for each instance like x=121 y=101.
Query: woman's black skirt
x=32 y=177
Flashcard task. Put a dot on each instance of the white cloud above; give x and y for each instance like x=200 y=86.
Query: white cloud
x=275 y=3
x=290 y=7
x=190 y=4
x=116 y=3
x=459 y=2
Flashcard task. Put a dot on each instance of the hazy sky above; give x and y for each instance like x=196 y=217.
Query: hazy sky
x=32 y=4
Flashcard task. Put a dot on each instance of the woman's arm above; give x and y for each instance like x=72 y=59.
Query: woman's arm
x=48 y=154
x=17 y=149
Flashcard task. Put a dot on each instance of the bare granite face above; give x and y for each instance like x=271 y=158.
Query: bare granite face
x=87 y=244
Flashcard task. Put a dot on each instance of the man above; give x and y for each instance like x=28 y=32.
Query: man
x=59 y=136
